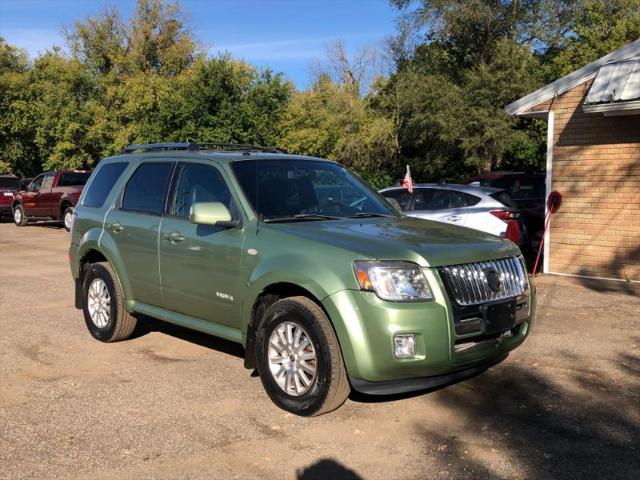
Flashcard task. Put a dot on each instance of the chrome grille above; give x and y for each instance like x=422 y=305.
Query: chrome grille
x=469 y=283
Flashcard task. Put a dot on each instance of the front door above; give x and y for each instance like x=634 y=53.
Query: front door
x=30 y=198
x=441 y=205
x=134 y=225
x=200 y=264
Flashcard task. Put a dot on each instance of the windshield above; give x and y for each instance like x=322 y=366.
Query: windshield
x=9 y=183
x=292 y=190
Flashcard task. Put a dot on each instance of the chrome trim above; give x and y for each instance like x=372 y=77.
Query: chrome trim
x=468 y=285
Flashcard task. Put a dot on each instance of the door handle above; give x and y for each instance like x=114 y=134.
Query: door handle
x=116 y=227
x=453 y=218
x=174 y=237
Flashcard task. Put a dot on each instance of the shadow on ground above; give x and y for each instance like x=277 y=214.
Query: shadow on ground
x=147 y=325
x=326 y=469
x=520 y=424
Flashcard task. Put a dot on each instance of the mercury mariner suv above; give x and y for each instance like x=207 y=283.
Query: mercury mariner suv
x=325 y=284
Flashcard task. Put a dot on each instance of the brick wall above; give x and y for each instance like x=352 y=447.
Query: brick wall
x=596 y=167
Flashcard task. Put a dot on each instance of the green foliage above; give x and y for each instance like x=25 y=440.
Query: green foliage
x=458 y=63
x=333 y=121
x=599 y=27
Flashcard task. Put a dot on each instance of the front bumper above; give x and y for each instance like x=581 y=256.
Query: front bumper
x=5 y=209
x=391 y=387
x=366 y=325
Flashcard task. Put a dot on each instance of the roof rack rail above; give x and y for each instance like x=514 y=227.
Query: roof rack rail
x=196 y=146
x=158 y=147
x=236 y=147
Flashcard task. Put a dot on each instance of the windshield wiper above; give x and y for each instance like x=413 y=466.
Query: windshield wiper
x=300 y=217
x=370 y=214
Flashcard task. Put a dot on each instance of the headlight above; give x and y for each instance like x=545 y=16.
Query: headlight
x=396 y=281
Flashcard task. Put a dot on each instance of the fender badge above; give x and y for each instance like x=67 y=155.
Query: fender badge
x=252 y=251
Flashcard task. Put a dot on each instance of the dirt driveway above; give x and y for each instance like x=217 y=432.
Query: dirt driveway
x=175 y=404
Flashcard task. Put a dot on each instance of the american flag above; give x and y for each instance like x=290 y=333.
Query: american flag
x=407 y=181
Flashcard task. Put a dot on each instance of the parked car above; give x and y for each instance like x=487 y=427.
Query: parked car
x=50 y=196
x=326 y=286
x=9 y=185
x=528 y=192
x=481 y=208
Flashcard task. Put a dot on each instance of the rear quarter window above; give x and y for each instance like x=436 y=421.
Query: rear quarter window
x=72 y=179
x=102 y=184
x=504 y=199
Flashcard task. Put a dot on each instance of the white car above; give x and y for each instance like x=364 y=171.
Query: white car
x=487 y=209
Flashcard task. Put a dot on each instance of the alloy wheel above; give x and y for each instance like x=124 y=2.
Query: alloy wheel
x=99 y=303
x=292 y=358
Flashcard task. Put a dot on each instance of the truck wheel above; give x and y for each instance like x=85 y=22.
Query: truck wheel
x=67 y=218
x=19 y=218
x=299 y=358
x=103 y=305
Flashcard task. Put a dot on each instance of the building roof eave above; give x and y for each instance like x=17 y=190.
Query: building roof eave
x=566 y=83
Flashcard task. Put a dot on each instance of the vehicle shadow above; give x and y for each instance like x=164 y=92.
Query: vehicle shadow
x=326 y=469
x=520 y=424
x=148 y=324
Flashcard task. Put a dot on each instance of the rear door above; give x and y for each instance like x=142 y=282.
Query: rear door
x=200 y=264
x=134 y=223
x=47 y=199
x=440 y=204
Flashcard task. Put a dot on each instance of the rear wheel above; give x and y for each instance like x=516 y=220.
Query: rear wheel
x=103 y=306
x=67 y=218
x=299 y=358
x=19 y=218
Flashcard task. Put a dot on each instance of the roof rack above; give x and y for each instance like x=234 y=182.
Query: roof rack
x=193 y=146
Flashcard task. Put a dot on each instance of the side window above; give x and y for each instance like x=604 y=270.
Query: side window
x=402 y=196
x=461 y=200
x=36 y=184
x=432 y=199
x=146 y=189
x=47 y=182
x=73 y=178
x=102 y=184
x=198 y=183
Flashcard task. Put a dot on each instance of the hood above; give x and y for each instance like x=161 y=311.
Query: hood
x=424 y=242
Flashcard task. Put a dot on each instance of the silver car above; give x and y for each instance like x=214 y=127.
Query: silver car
x=487 y=209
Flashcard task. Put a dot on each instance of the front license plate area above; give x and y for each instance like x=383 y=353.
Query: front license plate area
x=499 y=316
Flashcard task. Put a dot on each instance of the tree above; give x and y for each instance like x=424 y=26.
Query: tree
x=333 y=121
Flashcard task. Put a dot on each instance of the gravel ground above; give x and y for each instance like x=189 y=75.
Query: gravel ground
x=176 y=404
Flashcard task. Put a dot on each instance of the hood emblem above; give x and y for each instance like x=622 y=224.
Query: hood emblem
x=493 y=279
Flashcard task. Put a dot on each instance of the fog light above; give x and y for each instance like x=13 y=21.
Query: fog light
x=405 y=346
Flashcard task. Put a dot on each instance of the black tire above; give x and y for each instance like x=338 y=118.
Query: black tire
x=65 y=224
x=330 y=387
x=22 y=220
x=120 y=323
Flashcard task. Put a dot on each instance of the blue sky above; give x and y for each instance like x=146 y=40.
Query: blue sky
x=285 y=35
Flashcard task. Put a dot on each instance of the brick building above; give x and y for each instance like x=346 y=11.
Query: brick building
x=593 y=159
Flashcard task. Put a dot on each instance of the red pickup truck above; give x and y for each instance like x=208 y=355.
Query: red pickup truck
x=50 y=196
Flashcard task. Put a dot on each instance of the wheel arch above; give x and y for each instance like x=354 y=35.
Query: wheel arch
x=64 y=204
x=92 y=251
x=267 y=296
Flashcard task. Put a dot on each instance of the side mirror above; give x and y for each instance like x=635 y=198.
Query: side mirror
x=211 y=213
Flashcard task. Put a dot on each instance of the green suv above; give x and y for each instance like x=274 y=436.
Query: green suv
x=323 y=282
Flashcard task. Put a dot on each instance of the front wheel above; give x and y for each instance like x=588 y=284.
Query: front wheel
x=19 y=218
x=299 y=358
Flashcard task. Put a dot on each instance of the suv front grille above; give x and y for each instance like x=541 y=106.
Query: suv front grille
x=475 y=283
